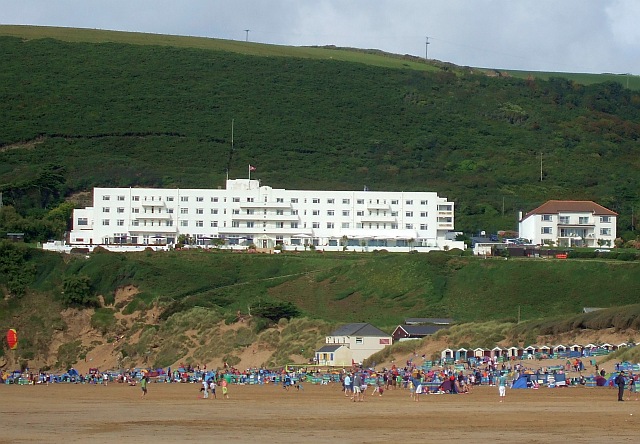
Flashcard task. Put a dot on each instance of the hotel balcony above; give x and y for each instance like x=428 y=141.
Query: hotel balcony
x=265 y=205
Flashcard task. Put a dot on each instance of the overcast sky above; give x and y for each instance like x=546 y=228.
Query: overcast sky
x=537 y=35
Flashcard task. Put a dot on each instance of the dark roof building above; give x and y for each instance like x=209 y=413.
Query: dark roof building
x=435 y=321
x=358 y=329
x=415 y=331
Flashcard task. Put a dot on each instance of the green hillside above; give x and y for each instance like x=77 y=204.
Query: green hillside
x=195 y=290
x=84 y=108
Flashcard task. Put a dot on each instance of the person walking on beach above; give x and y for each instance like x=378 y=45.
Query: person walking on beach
x=212 y=386
x=205 y=389
x=620 y=383
x=225 y=389
x=143 y=385
x=502 y=386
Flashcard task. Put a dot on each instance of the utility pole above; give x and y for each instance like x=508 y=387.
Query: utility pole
x=541 y=167
x=247 y=37
x=426 y=49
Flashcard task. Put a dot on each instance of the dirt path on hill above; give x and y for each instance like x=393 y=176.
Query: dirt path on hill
x=66 y=413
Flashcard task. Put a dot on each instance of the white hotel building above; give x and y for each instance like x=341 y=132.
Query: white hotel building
x=247 y=213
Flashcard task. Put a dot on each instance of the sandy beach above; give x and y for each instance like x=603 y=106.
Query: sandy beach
x=68 y=413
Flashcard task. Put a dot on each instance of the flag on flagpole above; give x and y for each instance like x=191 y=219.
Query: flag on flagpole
x=252 y=168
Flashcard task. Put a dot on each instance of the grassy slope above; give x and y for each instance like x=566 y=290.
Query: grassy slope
x=116 y=114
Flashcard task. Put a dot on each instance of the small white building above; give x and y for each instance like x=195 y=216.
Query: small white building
x=360 y=339
x=569 y=223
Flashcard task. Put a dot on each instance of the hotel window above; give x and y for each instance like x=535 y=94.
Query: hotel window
x=169 y=223
x=236 y=199
x=135 y=223
x=170 y=210
x=423 y=202
x=423 y=214
x=214 y=211
x=236 y=211
x=135 y=210
x=279 y=200
x=294 y=212
x=294 y=200
x=83 y=221
x=106 y=197
x=169 y=198
x=546 y=230
x=199 y=210
x=120 y=210
x=249 y=224
x=359 y=340
x=105 y=209
x=605 y=231
x=316 y=212
x=316 y=225
x=250 y=211
x=235 y=224
x=214 y=199
x=184 y=223
x=605 y=219
x=408 y=202
x=409 y=214
x=316 y=200
x=294 y=224
x=409 y=226
x=394 y=226
x=330 y=225
x=249 y=199
x=359 y=213
x=105 y=221
x=120 y=222
x=444 y=208
x=184 y=198
x=583 y=220
x=331 y=201
x=184 y=210
x=563 y=220
x=360 y=201
x=199 y=199
x=547 y=218
x=214 y=223
x=280 y=212
x=279 y=224
x=346 y=201
x=345 y=224
x=330 y=212
x=121 y=198
x=346 y=213
x=423 y=227
x=394 y=202
x=199 y=223
x=135 y=198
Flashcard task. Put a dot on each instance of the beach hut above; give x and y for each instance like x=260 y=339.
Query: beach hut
x=576 y=348
x=478 y=353
x=447 y=354
x=497 y=352
x=559 y=349
x=515 y=352
x=622 y=344
x=545 y=350
x=461 y=354
x=607 y=346
x=530 y=351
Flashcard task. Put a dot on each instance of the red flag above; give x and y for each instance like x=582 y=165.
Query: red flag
x=252 y=168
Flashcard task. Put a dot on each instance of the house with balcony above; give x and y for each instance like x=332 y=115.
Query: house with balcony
x=352 y=344
x=569 y=223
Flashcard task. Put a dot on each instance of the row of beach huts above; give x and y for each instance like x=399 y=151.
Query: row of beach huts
x=531 y=352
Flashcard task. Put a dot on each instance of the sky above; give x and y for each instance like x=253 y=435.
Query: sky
x=591 y=36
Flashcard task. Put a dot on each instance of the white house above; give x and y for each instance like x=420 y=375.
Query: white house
x=569 y=223
x=361 y=339
x=247 y=213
